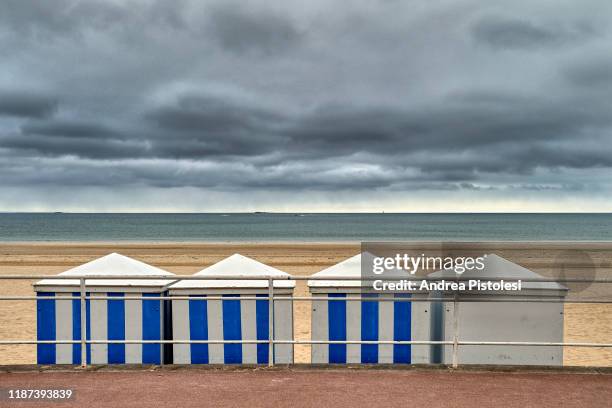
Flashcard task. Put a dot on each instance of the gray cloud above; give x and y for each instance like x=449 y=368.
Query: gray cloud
x=62 y=146
x=521 y=33
x=26 y=104
x=594 y=73
x=69 y=129
x=207 y=114
x=454 y=140
x=61 y=18
x=241 y=30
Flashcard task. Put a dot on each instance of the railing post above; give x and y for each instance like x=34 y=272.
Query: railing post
x=270 y=322
x=162 y=325
x=455 y=331
x=83 y=324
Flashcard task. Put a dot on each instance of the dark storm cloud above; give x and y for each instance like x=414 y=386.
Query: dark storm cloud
x=594 y=73
x=468 y=121
x=57 y=146
x=516 y=33
x=26 y=104
x=206 y=114
x=53 y=137
x=168 y=174
x=294 y=97
x=450 y=124
x=70 y=129
x=241 y=30
x=205 y=126
x=459 y=137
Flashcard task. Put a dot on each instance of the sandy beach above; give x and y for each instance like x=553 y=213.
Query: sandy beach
x=583 y=322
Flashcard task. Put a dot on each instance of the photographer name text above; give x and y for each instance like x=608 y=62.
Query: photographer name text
x=447 y=285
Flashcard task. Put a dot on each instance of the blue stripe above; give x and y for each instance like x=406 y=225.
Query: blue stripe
x=369 y=330
x=337 y=328
x=402 y=313
x=231 y=330
x=198 y=330
x=262 y=317
x=76 y=328
x=167 y=332
x=88 y=327
x=150 y=329
x=45 y=328
x=116 y=328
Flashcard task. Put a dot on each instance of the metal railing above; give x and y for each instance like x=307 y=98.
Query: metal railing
x=455 y=299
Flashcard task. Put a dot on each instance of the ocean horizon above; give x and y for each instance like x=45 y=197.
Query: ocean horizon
x=309 y=227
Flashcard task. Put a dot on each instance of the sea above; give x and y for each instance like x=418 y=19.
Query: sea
x=313 y=227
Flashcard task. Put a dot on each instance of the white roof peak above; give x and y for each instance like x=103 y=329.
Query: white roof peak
x=350 y=267
x=236 y=265
x=113 y=264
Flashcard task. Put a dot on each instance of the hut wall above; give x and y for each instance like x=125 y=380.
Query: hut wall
x=363 y=320
x=501 y=321
x=112 y=319
x=230 y=319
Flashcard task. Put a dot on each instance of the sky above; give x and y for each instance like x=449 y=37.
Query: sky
x=406 y=106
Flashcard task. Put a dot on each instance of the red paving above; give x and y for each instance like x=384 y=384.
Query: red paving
x=317 y=388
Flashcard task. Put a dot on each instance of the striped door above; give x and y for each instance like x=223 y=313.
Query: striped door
x=230 y=319
x=112 y=319
x=361 y=320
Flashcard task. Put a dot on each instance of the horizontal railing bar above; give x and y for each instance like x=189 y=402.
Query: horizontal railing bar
x=138 y=298
x=15 y=342
x=461 y=343
x=18 y=342
x=158 y=278
x=306 y=342
x=197 y=297
x=468 y=299
x=300 y=278
x=400 y=342
x=527 y=343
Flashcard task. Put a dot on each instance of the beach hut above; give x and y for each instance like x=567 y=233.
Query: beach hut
x=513 y=320
x=232 y=318
x=107 y=319
x=363 y=320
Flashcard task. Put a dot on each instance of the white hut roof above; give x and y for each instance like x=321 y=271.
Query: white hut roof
x=111 y=265
x=236 y=265
x=495 y=268
x=350 y=268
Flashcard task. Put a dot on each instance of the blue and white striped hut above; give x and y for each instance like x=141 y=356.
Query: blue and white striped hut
x=231 y=318
x=354 y=320
x=107 y=319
